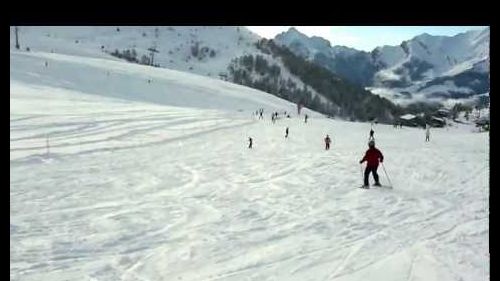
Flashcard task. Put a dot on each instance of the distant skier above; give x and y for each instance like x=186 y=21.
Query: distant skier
x=260 y=116
x=250 y=142
x=372 y=157
x=427 y=132
x=327 y=142
x=286 y=132
x=46 y=64
x=305 y=118
x=371 y=135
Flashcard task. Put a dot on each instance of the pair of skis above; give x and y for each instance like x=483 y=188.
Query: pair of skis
x=381 y=186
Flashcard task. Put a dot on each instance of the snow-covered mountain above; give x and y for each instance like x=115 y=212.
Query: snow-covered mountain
x=459 y=65
x=349 y=63
x=303 y=45
x=213 y=51
x=204 y=50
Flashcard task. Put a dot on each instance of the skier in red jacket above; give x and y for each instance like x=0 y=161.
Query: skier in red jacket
x=372 y=158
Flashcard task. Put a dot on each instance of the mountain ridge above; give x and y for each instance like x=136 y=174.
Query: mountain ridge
x=418 y=60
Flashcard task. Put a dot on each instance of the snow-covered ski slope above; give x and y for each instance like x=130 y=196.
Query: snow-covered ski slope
x=154 y=181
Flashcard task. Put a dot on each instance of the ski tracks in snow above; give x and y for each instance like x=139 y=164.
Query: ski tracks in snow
x=205 y=207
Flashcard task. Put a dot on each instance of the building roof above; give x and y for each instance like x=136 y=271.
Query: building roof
x=407 y=116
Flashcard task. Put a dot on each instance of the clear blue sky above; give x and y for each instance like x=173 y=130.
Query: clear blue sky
x=364 y=37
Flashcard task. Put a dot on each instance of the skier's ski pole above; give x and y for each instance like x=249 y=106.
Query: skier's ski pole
x=361 y=170
x=386 y=174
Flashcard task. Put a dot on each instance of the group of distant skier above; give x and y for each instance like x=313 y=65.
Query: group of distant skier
x=274 y=117
x=396 y=125
x=373 y=156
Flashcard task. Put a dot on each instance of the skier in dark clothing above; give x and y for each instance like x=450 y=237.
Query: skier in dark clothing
x=249 y=142
x=371 y=135
x=299 y=107
x=327 y=142
x=305 y=118
x=286 y=132
x=372 y=157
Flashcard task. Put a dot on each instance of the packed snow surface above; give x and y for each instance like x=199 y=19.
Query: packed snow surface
x=113 y=177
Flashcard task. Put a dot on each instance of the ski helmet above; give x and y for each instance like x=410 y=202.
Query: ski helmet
x=371 y=143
